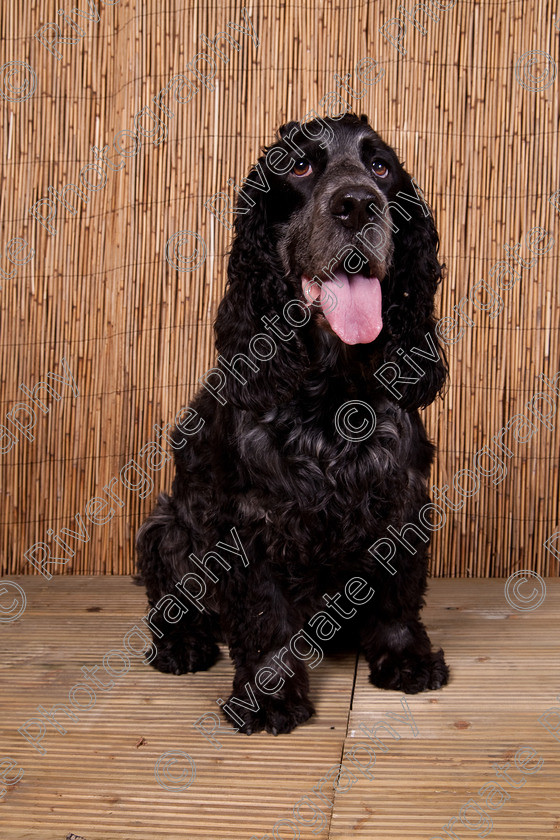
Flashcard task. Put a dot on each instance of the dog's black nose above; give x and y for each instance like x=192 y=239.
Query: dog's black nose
x=352 y=206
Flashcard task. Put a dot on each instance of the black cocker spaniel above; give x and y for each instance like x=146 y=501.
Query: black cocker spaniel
x=287 y=525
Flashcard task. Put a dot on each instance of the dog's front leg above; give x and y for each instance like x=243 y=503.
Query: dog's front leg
x=271 y=683
x=394 y=639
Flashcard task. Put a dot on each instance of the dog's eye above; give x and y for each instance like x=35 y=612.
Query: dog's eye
x=302 y=168
x=380 y=169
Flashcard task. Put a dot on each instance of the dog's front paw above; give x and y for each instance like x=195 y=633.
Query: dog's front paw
x=185 y=659
x=410 y=673
x=273 y=715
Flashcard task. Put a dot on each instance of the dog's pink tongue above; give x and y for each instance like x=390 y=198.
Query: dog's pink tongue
x=356 y=318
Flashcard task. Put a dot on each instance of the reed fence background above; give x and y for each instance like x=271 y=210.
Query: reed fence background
x=136 y=333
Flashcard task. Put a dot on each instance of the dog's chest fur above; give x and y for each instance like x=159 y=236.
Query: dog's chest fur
x=296 y=466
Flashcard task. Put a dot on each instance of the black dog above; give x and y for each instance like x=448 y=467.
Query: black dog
x=334 y=265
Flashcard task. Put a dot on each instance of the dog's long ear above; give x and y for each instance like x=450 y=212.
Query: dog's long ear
x=256 y=294
x=409 y=319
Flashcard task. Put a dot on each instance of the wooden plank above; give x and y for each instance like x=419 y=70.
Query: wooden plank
x=94 y=780
x=97 y=780
x=505 y=672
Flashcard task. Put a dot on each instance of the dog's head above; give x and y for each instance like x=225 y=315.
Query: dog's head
x=330 y=218
x=336 y=234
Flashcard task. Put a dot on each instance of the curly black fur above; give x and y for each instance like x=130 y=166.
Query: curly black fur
x=306 y=502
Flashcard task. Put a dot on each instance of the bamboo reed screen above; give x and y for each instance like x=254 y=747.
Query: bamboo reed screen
x=469 y=98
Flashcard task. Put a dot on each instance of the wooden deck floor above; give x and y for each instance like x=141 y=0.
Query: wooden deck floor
x=97 y=780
